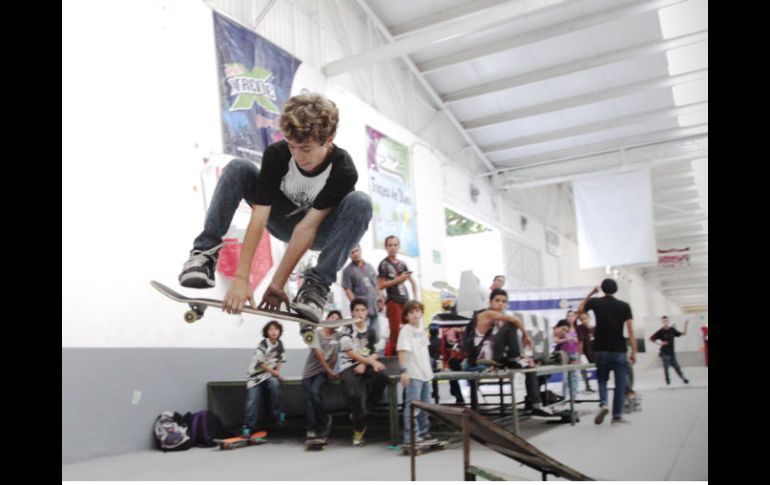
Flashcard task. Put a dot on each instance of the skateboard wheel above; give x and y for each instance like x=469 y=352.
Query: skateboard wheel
x=308 y=338
x=190 y=316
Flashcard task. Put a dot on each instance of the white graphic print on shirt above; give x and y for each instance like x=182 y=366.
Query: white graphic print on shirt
x=301 y=189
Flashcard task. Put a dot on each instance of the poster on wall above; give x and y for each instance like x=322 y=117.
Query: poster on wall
x=390 y=184
x=255 y=80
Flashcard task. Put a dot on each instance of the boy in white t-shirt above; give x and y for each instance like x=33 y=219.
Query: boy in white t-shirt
x=416 y=371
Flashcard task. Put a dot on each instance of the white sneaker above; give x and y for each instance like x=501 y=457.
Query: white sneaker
x=200 y=268
x=542 y=413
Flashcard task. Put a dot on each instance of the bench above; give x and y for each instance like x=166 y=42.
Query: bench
x=226 y=399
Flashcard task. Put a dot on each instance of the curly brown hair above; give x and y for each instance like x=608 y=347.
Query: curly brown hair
x=309 y=117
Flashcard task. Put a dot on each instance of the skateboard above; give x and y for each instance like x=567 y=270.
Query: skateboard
x=316 y=444
x=257 y=438
x=443 y=285
x=424 y=446
x=517 y=364
x=198 y=307
x=563 y=417
x=632 y=404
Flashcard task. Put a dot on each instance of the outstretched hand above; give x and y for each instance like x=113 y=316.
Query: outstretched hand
x=272 y=299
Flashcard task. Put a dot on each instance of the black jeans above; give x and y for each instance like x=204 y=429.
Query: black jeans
x=670 y=360
x=316 y=411
x=368 y=386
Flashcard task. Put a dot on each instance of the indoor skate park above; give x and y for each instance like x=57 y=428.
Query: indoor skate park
x=554 y=150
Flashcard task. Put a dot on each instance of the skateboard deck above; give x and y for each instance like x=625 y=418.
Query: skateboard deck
x=198 y=306
x=632 y=404
x=315 y=444
x=443 y=285
x=424 y=446
x=257 y=438
x=489 y=362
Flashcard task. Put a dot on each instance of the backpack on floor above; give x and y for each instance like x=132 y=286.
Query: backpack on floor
x=170 y=432
x=203 y=427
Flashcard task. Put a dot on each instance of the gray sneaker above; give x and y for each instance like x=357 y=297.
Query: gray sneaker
x=200 y=268
x=310 y=300
x=620 y=420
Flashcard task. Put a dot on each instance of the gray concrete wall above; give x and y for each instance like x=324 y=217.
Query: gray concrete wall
x=100 y=415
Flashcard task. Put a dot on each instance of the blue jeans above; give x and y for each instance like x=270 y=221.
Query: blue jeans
x=417 y=390
x=473 y=368
x=337 y=235
x=565 y=377
x=364 y=392
x=615 y=362
x=316 y=411
x=254 y=401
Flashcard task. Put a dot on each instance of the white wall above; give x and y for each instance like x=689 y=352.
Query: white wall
x=134 y=107
x=481 y=253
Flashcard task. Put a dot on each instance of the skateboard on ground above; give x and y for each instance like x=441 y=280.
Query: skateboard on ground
x=316 y=444
x=238 y=441
x=632 y=404
x=424 y=446
x=198 y=306
x=495 y=367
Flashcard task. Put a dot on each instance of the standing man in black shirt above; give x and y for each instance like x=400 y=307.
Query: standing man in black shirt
x=304 y=195
x=392 y=274
x=665 y=338
x=609 y=346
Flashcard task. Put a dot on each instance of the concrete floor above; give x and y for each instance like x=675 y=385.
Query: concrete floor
x=667 y=440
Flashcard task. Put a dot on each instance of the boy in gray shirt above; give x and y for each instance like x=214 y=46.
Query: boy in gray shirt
x=319 y=369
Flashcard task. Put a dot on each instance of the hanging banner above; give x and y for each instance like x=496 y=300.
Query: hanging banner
x=550 y=303
x=390 y=184
x=674 y=258
x=614 y=218
x=255 y=80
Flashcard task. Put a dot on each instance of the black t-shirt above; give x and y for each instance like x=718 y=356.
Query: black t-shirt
x=390 y=271
x=611 y=315
x=666 y=335
x=324 y=188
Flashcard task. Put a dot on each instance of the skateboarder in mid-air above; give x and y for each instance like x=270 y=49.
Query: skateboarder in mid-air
x=304 y=194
